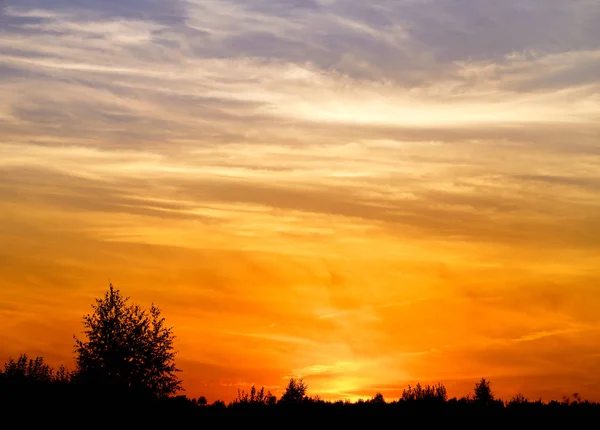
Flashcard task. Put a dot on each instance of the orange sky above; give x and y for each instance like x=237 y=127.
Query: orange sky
x=364 y=204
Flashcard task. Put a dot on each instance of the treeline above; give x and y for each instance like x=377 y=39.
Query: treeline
x=31 y=384
x=125 y=368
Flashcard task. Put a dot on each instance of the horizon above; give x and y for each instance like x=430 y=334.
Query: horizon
x=366 y=196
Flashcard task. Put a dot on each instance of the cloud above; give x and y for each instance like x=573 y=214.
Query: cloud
x=41 y=14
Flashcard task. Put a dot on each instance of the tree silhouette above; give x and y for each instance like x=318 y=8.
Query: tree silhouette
x=255 y=397
x=63 y=375
x=127 y=347
x=425 y=393
x=483 y=392
x=29 y=369
x=378 y=399
x=295 y=391
x=519 y=399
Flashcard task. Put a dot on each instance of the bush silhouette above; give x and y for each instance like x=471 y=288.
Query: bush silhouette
x=127 y=348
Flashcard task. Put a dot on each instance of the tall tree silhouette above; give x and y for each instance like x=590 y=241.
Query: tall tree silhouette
x=127 y=347
x=483 y=392
x=295 y=391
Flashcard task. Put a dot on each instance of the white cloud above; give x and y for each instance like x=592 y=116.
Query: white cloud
x=34 y=13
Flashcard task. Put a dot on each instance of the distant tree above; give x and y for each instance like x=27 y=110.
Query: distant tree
x=378 y=399
x=255 y=397
x=63 y=375
x=295 y=391
x=519 y=399
x=270 y=399
x=202 y=401
x=218 y=405
x=428 y=392
x=28 y=369
x=128 y=347
x=483 y=392
x=262 y=397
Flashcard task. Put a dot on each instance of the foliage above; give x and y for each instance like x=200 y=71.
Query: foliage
x=255 y=397
x=295 y=392
x=519 y=399
x=378 y=399
x=29 y=369
x=425 y=393
x=58 y=398
x=483 y=392
x=127 y=347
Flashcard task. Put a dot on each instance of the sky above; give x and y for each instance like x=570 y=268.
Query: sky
x=362 y=194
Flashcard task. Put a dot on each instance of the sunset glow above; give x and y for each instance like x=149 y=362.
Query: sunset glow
x=365 y=196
